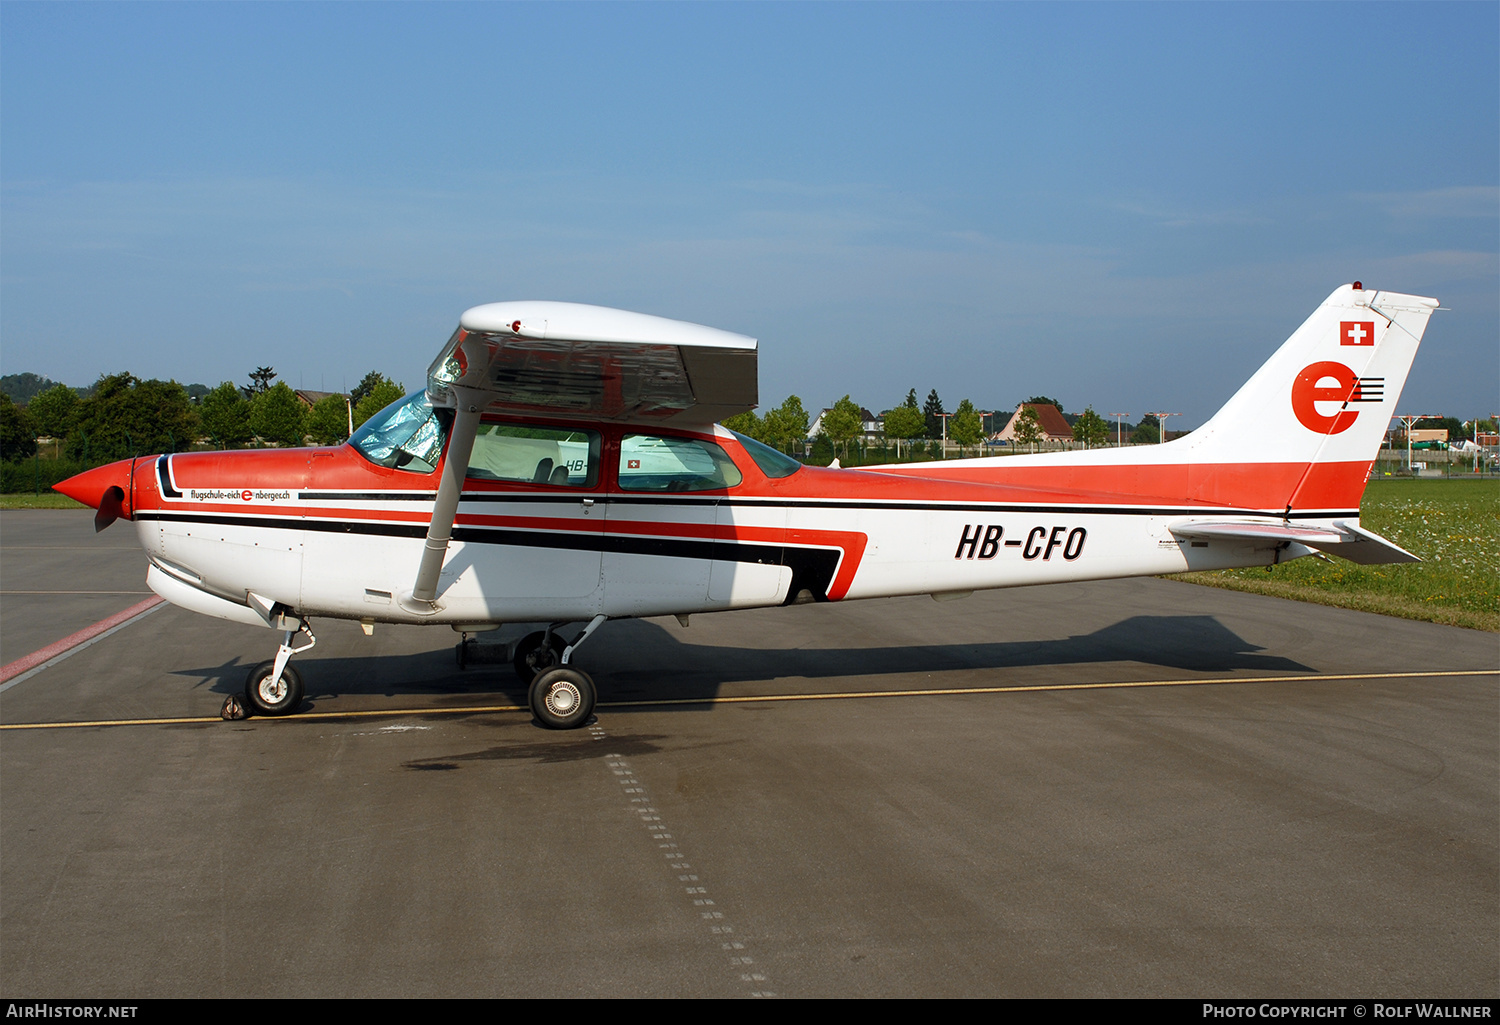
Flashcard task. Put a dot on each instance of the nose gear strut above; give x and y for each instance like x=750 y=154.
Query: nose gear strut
x=274 y=687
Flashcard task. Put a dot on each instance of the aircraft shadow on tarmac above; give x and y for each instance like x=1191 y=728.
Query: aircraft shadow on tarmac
x=641 y=660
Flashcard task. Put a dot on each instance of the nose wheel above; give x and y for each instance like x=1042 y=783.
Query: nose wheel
x=275 y=688
x=271 y=694
x=562 y=698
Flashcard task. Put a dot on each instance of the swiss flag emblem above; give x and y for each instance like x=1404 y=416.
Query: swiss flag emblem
x=632 y=464
x=1356 y=332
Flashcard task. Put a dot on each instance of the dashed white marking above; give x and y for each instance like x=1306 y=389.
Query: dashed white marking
x=737 y=957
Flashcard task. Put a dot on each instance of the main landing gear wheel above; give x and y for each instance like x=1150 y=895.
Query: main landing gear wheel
x=533 y=655
x=562 y=698
x=280 y=696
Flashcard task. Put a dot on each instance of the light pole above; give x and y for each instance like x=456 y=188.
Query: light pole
x=1119 y=426
x=1161 y=426
x=1408 y=419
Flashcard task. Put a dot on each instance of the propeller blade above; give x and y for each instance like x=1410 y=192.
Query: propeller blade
x=111 y=507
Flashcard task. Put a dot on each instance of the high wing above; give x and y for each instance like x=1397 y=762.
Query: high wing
x=569 y=359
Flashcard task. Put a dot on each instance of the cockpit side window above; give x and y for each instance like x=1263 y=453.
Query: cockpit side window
x=406 y=435
x=556 y=456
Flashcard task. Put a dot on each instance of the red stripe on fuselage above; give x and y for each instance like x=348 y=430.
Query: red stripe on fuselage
x=1245 y=486
x=1253 y=486
x=1212 y=485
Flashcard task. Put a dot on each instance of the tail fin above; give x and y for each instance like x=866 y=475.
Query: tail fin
x=1325 y=398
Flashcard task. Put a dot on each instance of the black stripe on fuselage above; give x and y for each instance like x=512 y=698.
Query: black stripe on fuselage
x=855 y=504
x=367 y=496
x=812 y=568
x=164 y=477
x=999 y=506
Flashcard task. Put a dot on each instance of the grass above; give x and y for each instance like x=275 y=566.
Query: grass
x=1453 y=525
x=46 y=500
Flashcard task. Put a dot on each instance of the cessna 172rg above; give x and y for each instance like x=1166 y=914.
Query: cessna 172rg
x=565 y=465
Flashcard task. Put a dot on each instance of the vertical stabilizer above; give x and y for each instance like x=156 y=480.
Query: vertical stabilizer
x=1325 y=398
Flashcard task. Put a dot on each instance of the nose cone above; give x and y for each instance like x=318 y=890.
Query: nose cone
x=106 y=488
x=89 y=486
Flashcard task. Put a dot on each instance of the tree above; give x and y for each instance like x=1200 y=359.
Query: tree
x=260 y=382
x=1027 y=431
x=278 y=416
x=17 y=440
x=1452 y=424
x=23 y=388
x=934 y=412
x=328 y=421
x=127 y=417
x=905 y=422
x=1042 y=400
x=841 y=423
x=225 y=416
x=1147 y=432
x=383 y=394
x=822 y=451
x=966 y=428
x=367 y=384
x=786 y=425
x=51 y=412
x=748 y=424
x=1090 y=428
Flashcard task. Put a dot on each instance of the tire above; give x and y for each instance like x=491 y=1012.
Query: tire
x=266 y=697
x=562 y=698
x=532 y=656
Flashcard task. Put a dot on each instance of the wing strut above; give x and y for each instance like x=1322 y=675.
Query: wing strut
x=469 y=405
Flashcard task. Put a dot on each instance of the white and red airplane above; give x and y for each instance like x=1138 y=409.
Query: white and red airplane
x=564 y=465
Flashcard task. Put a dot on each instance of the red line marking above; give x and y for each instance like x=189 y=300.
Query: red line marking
x=51 y=651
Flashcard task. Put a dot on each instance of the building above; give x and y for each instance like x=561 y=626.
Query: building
x=872 y=428
x=311 y=398
x=1048 y=418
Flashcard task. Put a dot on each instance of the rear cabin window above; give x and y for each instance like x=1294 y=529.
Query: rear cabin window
x=656 y=462
x=772 y=463
x=560 y=457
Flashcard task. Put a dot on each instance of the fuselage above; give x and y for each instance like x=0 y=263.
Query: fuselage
x=646 y=524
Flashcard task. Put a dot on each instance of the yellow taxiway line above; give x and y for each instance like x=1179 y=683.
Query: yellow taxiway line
x=761 y=698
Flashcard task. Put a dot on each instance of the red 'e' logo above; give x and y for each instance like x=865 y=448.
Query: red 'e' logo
x=1307 y=391
x=246 y=495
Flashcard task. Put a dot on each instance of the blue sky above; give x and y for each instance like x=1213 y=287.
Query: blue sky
x=1121 y=205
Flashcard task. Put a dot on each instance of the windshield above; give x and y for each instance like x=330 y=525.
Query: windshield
x=406 y=435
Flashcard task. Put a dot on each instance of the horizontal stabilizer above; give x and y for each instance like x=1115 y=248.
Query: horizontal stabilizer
x=1370 y=549
x=1346 y=540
